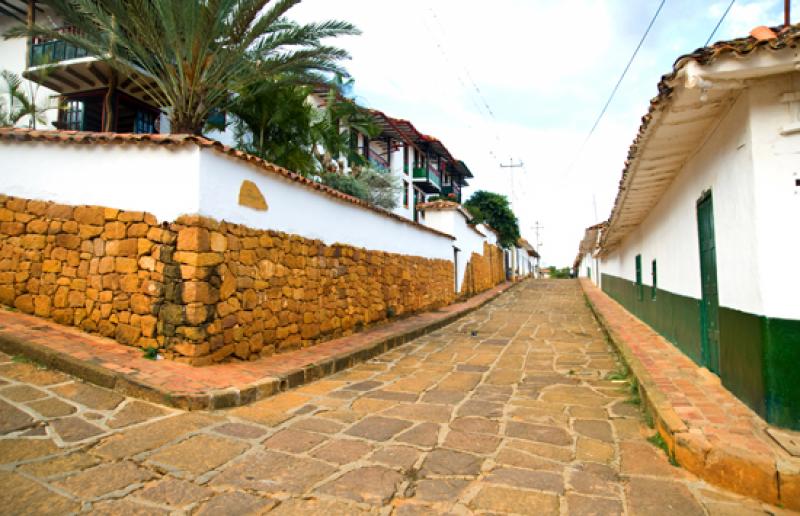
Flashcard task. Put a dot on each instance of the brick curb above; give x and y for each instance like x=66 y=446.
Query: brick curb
x=775 y=480
x=233 y=396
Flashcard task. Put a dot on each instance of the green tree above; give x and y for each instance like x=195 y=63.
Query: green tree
x=16 y=103
x=197 y=52
x=273 y=120
x=336 y=126
x=494 y=209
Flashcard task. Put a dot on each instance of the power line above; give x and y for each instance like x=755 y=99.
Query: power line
x=616 y=86
x=474 y=91
x=720 y=22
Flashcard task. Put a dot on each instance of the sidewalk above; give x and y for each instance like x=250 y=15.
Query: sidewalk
x=709 y=431
x=124 y=369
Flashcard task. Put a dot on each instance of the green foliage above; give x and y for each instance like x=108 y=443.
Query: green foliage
x=345 y=184
x=383 y=188
x=196 y=52
x=16 y=104
x=563 y=273
x=150 y=353
x=494 y=209
x=659 y=442
x=272 y=120
x=335 y=128
x=378 y=188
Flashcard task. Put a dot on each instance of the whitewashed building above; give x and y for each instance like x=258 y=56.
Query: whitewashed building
x=586 y=262
x=702 y=242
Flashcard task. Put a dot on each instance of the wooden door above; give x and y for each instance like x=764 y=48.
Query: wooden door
x=709 y=304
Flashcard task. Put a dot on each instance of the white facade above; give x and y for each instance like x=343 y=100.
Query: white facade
x=13 y=59
x=468 y=239
x=171 y=180
x=752 y=171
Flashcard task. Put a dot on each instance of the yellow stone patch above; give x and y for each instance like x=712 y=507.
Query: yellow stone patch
x=251 y=196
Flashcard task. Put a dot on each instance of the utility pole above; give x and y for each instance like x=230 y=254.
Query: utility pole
x=536 y=227
x=511 y=165
x=787 y=12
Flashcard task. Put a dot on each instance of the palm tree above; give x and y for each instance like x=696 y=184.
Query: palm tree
x=20 y=104
x=198 y=51
x=336 y=126
x=272 y=120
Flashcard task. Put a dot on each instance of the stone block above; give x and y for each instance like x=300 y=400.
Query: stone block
x=742 y=471
x=127 y=334
x=194 y=239
x=90 y=215
x=125 y=265
x=114 y=231
x=198 y=259
x=127 y=247
x=199 y=292
x=34 y=242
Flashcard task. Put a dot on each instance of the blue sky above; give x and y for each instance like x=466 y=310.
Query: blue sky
x=545 y=69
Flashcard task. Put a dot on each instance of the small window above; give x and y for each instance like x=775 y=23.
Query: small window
x=73 y=115
x=639 y=286
x=145 y=122
x=405 y=194
x=654 y=288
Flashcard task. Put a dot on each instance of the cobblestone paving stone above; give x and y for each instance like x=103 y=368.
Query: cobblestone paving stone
x=508 y=410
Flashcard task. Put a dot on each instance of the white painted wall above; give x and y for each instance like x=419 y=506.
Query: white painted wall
x=169 y=181
x=406 y=181
x=776 y=159
x=157 y=179
x=467 y=241
x=669 y=233
x=12 y=58
x=301 y=210
x=751 y=170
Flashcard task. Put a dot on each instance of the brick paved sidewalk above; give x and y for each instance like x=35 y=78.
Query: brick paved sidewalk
x=710 y=431
x=124 y=369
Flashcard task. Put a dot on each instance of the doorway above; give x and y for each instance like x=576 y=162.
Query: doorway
x=709 y=304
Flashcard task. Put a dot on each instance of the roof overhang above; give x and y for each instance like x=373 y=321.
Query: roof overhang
x=692 y=100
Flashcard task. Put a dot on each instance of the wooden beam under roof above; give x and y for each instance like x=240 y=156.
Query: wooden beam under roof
x=71 y=70
x=94 y=70
x=4 y=10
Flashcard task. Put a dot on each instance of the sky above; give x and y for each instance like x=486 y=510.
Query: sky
x=522 y=81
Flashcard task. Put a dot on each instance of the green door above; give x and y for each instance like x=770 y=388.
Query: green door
x=709 y=305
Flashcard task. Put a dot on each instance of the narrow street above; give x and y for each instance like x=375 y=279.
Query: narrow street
x=515 y=408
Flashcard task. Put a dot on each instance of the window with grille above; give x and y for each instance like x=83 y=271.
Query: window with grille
x=73 y=115
x=145 y=122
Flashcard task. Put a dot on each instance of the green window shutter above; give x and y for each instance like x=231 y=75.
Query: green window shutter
x=655 y=281
x=639 y=287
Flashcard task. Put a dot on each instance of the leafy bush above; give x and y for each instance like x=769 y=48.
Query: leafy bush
x=378 y=188
x=346 y=184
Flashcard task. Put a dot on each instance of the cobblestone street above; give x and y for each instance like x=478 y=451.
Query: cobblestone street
x=516 y=408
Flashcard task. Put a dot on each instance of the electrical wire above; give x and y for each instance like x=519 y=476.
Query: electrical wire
x=616 y=87
x=483 y=108
x=720 y=22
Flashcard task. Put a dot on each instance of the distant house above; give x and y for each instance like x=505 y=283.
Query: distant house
x=702 y=243
x=586 y=263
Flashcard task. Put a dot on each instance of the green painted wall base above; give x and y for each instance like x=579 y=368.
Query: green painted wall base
x=759 y=356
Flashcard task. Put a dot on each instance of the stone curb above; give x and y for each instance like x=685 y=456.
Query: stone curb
x=769 y=479
x=234 y=396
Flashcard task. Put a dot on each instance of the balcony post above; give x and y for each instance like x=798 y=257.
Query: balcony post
x=31 y=21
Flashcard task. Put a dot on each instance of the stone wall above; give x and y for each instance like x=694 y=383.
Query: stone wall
x=99 y=269
x=484 y=271
x=249 y=292
x=197 y=289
